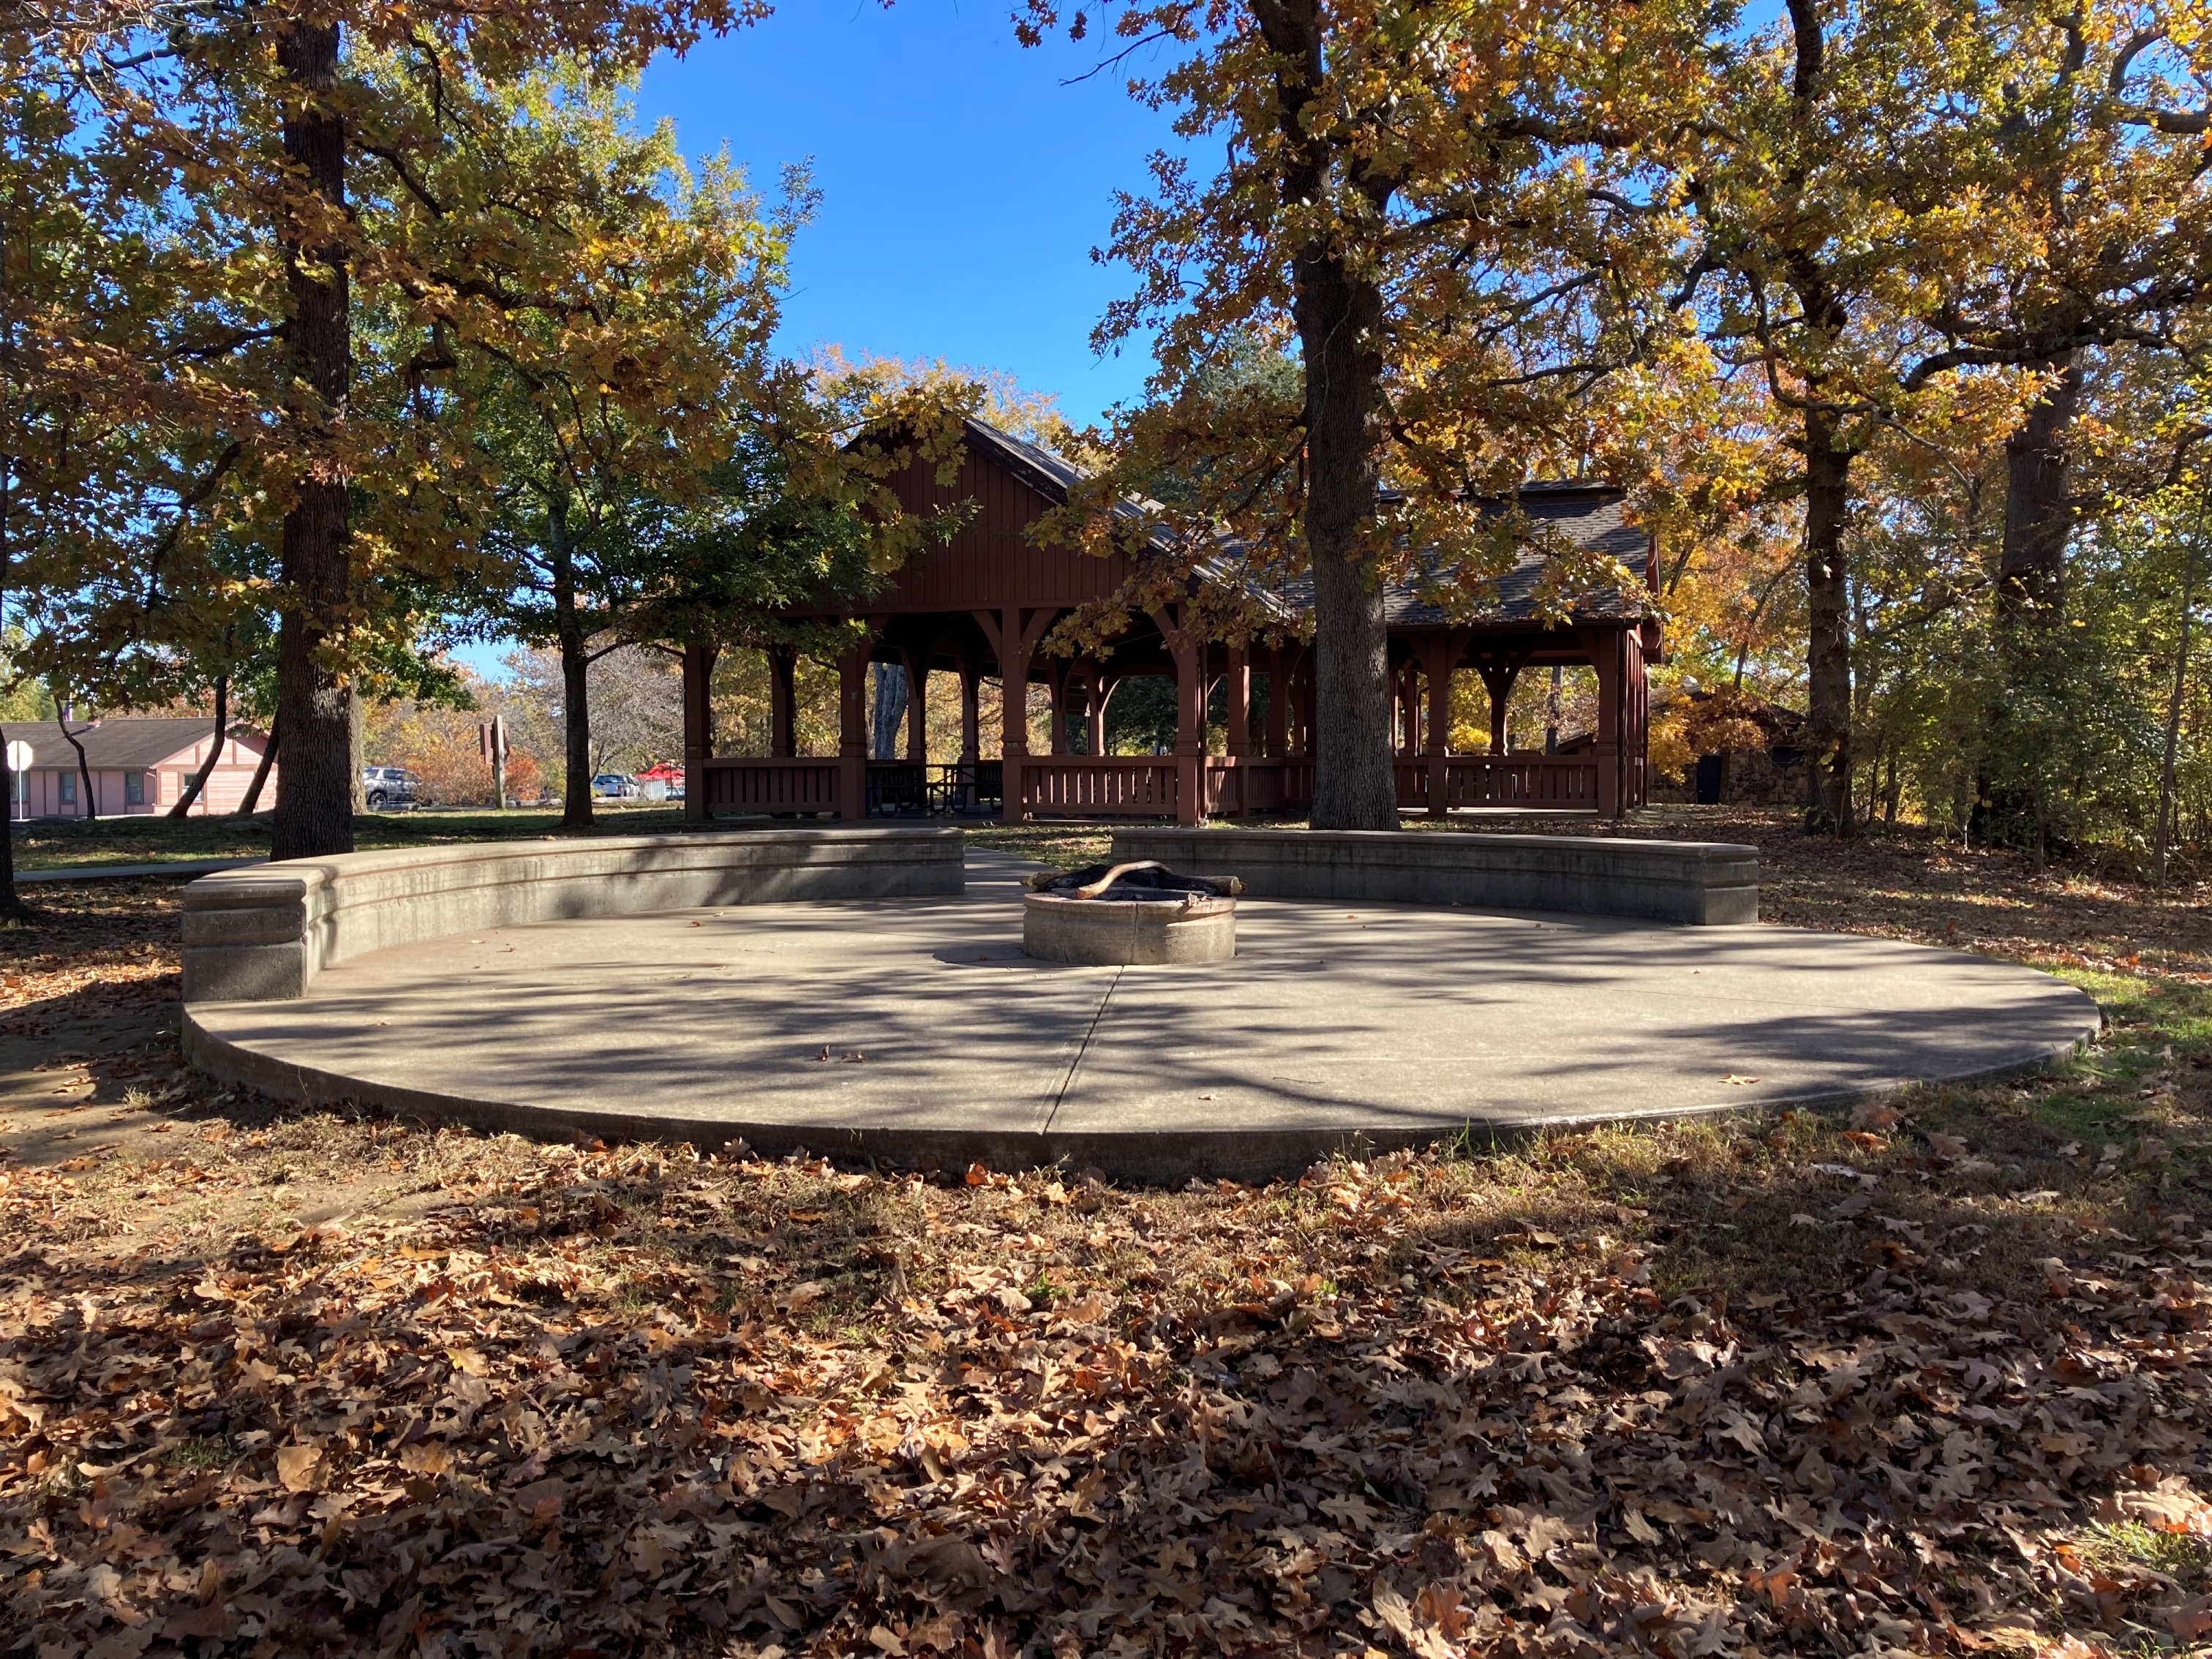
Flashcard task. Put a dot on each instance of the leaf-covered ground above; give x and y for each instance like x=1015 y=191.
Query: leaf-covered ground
x=1931 y=1382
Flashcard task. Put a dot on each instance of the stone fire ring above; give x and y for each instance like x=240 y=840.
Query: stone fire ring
x=1110 y=933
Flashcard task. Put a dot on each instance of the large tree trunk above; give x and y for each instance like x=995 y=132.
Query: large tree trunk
x=1354 y=785
x=2038 y=510
x=575 y=675
x=199 y=779
x=890 y=708
x=314 y=809
x=1336 y=312
x=12 y=908
x=1828 y=649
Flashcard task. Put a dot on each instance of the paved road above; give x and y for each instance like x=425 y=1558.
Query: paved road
x=1390 y=1023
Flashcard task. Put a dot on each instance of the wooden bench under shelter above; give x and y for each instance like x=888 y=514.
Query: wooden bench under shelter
x=980 y=604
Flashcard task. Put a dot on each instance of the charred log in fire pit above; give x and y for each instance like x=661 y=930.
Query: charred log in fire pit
x=1130 y=914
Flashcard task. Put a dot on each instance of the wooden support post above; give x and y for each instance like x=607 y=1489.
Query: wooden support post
x=1238 y=681
x=1013 y=637
x=1499 y=675
x=1189 y=656
x=1441 y=655
x=1056 y=678
x=971 y=711
x=1636 y=740
x=782 y=716
x=698 y=728
x=1604 y=646
x=1279 y=705
x=1013 y=713
x=853 y=732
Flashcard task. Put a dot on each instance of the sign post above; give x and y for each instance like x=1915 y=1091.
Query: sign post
x=491 y=744
x=19 y=762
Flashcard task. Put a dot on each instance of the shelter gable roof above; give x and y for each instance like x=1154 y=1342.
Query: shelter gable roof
x=1034 y=464
x=1589 y=516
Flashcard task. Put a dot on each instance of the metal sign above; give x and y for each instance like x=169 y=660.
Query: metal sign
x=19 y=754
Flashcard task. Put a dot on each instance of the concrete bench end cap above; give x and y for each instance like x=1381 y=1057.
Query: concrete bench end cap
x=258 y=886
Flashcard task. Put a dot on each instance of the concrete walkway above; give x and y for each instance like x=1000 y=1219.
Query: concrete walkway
x=1367 y=1026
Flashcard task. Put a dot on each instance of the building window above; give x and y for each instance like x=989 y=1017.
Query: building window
x=65 y=787
x=134 y=788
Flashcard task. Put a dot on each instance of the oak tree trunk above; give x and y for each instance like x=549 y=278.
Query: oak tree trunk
x=12 y=908
x=2039 y=518
x=1828 y=649
x=314 y=809
x=1354 y=785
x=1336 y=311
x=575 y=673
x=889 y=708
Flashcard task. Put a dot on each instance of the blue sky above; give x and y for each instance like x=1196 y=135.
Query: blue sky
x=963 y=183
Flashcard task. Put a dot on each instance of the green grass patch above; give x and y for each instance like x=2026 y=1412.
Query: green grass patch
x=2185 y=1556
x=72 y=844
x=2156 y=1030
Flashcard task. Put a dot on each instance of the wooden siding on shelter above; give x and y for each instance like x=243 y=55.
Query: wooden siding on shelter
x=991 y=561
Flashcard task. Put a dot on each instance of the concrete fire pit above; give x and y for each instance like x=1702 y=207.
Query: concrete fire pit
x=1129 y=915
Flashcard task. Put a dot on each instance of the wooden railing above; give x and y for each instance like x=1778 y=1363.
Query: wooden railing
x=1244 y=783
x=899 y=786
x=1105 y=785
x=1566 y=781
x=769 y=785
x=1139 y=786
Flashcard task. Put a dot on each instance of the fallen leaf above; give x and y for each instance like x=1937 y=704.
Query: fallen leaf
x=297 y=1466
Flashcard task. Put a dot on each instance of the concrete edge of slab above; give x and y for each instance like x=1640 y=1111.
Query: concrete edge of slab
x=1693 y=884
x=1139 y=1158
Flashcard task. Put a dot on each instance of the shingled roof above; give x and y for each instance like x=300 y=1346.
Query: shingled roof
x=1589 y=516
x=124 y=743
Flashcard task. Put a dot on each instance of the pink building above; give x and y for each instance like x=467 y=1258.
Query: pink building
x=137 y=765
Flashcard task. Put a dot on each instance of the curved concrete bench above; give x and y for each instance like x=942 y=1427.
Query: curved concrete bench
x=262 y=934
x=1702 y=884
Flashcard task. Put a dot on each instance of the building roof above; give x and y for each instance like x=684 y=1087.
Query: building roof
x=1589 y=516
x=125 y=744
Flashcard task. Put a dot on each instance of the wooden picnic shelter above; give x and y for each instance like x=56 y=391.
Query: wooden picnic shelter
x=979 y=605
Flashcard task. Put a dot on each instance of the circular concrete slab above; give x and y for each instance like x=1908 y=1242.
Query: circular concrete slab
x=916 y=1028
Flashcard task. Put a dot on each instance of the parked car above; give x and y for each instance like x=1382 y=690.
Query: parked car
x=615 y=786
x=387 y=786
